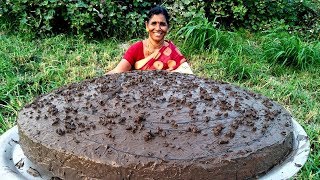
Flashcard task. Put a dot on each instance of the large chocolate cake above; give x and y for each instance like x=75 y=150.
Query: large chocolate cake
x=154 y=125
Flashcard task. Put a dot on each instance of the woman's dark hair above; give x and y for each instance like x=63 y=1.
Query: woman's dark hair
x=158 y=10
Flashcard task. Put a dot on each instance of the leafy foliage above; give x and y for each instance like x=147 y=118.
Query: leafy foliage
x=103 y=17
x=126 y=18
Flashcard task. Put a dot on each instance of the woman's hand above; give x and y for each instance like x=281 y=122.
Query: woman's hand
x=123 y=66
x=183 y=68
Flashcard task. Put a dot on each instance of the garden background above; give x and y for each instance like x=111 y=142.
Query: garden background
x=269 y=47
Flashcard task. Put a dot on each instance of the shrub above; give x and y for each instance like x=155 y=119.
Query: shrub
x=95 y=17
x=126 y=18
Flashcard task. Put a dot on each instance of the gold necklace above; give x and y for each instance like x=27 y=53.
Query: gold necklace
x=156 y=47
x=153 y=46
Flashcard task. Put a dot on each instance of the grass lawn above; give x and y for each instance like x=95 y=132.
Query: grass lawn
x=279 y=66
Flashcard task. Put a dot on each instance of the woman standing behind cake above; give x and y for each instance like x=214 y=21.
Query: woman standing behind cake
x=154 y=53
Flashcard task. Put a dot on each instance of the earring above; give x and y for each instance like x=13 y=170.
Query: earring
x=147 y=30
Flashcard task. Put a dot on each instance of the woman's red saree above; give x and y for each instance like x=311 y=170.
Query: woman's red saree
x=166 y=58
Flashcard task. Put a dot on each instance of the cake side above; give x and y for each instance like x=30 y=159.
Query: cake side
x=67 y=165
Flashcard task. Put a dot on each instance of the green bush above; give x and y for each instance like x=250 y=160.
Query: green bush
x=262 y=15
x=95 y=17
x=126 y=18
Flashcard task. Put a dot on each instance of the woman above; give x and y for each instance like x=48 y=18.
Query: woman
x=154 y=53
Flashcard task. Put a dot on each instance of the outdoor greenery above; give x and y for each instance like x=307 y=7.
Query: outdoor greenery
x=269 y=47
x=106 y=18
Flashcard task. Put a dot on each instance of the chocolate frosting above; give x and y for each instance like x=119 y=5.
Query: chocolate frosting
x=156 y=125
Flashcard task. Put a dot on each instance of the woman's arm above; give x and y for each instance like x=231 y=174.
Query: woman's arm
x=183 y=68
x=123 y=66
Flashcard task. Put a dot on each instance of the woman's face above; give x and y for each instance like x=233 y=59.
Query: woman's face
x=157 y=27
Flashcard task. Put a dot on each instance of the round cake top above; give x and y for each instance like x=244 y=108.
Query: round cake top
x=150 y=116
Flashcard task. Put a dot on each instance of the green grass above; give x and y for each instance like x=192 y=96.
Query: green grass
x=31 y=66
x=287 y=50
